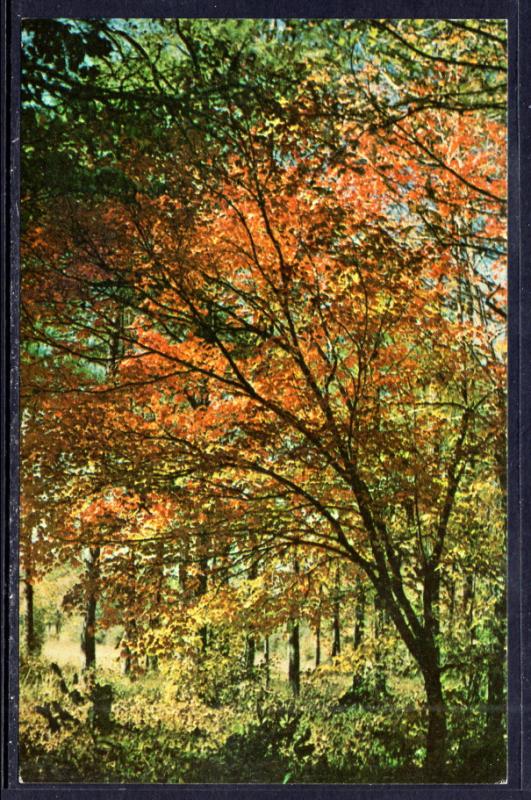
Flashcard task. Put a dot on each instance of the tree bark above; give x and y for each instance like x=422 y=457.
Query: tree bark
x=451 y=605
x=267 y=663
x=88 y=637
x=318 y=641
x=183 y=567
x=336 y=620
x=152 y=659
x=89 y=633
x=125 y=655
x=57 y=621
x=250 y=641
x=250 y=652
x=152 y=663
x=30 y=637
x=435 y=762
x=294 y=657
x=336 y=629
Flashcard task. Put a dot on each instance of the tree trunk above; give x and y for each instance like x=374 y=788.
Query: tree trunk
x=129 y=640
x=250 y=641
x=422 y=643
x=31 y=639
x=294 y=657
x=250 y=652
x=336 y=621
x=152 y=660
x=202 y=588
x=336 y=628
x=88 y=637
x=89 y=633
x=468 y=600
x=379 y=634
x=318 y=641
x=183 y=567
x=473 y=676
x=451 y=605
x=203 y=635
x=125 y=655
x=152 y=663
x=434 y=764
x=359 y=620
x=267 y=663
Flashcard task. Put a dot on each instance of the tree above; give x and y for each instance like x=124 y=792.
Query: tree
x=301 y=292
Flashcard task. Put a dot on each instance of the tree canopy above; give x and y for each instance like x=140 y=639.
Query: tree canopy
x=263 y=332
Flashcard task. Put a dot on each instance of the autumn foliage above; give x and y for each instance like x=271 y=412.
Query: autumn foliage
x=263 y=366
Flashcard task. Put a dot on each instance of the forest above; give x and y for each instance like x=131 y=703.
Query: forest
x=263 y=401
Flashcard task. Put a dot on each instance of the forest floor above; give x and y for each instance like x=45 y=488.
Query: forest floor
x=162 y=734
x=189 y=721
